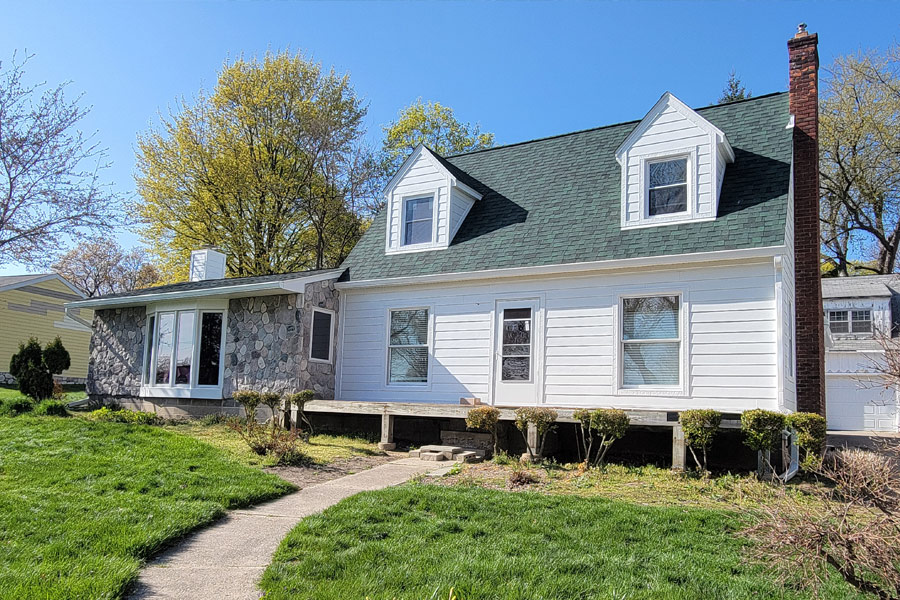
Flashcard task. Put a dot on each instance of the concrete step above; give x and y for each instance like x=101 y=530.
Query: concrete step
x=432 y=456
x=438 y=453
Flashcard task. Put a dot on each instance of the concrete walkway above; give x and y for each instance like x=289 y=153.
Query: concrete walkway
x=225 y=561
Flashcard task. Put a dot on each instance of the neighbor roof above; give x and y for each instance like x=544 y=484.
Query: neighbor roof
x=558 y=200
x=12 y=282
x=209 y=287
x=869 y=286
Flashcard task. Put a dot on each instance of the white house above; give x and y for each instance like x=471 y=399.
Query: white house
x=651 y=266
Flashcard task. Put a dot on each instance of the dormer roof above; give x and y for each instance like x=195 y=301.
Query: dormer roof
x=455 y=175
x=668 y=100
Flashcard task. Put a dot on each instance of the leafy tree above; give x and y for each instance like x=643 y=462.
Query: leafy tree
x=270 y=167
x=734 y=89
x=50 y=186
x=34 y=368
x=432 y=124
x=860 y=164
x=103 y=267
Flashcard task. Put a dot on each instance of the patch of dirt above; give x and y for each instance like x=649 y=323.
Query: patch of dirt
x=307 y=475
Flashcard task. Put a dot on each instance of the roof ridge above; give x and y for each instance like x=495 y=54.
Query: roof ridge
x=590 y=129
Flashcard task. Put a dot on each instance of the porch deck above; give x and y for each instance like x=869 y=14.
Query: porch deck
x=389 y=410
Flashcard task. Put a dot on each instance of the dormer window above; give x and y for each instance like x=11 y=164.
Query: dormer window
x=667 y=188
x=673 y=165
x=418 y=221
x=850 y=321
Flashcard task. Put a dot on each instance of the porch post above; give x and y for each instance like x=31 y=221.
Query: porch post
x=678 y=448
x=387 y=432
x=532 y=441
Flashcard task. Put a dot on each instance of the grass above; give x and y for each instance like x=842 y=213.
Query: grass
x=73 y=392
x=644 y=485
x=321 y=449
x=82 y=503
x=418 y=541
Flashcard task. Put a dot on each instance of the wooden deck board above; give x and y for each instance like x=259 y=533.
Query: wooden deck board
x=650 y=418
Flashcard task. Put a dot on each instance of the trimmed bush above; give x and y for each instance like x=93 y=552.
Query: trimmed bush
x=762 y=429
x=542 y=418
x=811 y=431
x=249 y=400
x=610 y=424
x=299 y=400
x=485 y=418
x=700 y=427
x=273 y=401
x=16 y=406
x=51 y=408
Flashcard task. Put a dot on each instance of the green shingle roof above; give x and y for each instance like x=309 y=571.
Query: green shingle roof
x=558 y=200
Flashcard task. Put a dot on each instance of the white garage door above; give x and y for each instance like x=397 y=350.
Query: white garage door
x=852 y=406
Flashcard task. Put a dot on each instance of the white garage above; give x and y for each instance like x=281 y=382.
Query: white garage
x=860 y=405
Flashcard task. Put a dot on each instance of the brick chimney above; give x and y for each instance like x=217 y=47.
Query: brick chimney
x=810 y=324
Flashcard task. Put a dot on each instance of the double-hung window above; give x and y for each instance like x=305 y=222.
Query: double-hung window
x=667 y=189
x=408 y=346
x=418 y=221
x=184 y=349
x=858 y=321
x=651 y=341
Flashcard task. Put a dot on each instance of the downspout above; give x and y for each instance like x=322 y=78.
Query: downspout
x=789 y=440
x=77 y=319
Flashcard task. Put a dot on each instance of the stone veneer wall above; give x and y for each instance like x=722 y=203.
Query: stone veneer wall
x=117 y=354
x=266 y=349
x=262 y=344
x=319 y=376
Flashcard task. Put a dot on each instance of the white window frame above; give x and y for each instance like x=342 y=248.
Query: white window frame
x=418 y=385
x=654 y=390
x=870 y=330
x=434 y=218
x=192 y=389
x=312 y=322
x=690 y=187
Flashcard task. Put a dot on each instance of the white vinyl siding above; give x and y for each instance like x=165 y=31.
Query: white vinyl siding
x=729 y=338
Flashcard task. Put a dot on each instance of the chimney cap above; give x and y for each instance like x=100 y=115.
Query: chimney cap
x=801 y=30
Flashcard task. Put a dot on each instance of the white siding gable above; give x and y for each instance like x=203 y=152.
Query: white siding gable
x=423 y=176
x=673 y=130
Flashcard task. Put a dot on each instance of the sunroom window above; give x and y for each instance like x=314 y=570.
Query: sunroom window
x=667 y=191
x=418 y=218
x=408 y=347
x=184 y=349
x=651 y=341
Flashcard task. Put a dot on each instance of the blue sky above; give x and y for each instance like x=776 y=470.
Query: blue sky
x=521 y=69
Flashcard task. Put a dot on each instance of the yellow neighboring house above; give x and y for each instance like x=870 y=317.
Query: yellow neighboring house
x=34 y=306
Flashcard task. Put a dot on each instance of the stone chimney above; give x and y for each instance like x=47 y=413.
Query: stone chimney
x=810 y=324
x=207 y=263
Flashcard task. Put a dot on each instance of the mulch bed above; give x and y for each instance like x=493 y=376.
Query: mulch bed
x=307 y=475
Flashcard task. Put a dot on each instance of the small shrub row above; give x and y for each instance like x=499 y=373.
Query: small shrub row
x=133 y=417
x=23 y=405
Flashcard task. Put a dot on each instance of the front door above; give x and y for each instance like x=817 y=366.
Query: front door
x=515 y=378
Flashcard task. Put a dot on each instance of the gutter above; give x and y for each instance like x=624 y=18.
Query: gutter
x=294 y=286
x=562 y=269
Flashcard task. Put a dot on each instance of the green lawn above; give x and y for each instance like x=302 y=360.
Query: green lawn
x=321 y=449
x=82 y=503
x=416 y=542
x=73 y=392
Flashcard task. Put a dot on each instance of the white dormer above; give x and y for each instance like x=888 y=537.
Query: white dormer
x=673 y=164
x=426 y=204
